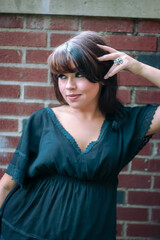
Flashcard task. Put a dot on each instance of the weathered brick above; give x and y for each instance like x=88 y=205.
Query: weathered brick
x=135 y=43
x=158 y=45
x=144 y=198
x=140 y=164
x=10 y=56
x=8 y=141
x=146 y=150
x=148 y=26
x=157 y=182
x=37 y=56
x=10 y=21
x=149 y=165
x=2 y=171
x=134 y=181
x=27 y=39
x=39 y=92
x=57 y=39
x=119 y=229
x=124 y=95
x=130 y=79
x=8 y=125
x=18 y=108
x=5 y=158
x=132 y=214
x=9 y=91
x=158 y=149
x=156 y=136
x=143 y=230
x=143 y=96
x=156 y=215
x=68 y=23
x=107 y=24
x=154 y=165
x=23 y=74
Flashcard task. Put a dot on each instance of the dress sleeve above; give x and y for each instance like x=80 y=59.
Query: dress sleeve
x=134 y=132
x=27 y=148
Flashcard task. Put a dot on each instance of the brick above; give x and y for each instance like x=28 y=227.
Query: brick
x=154 y=165
x=143 y=96
x=119 y=229
x=68 y=23
x=10 y=56
x=9 y=21
x=107 y=24
x=157 y=182
x=2 y=171
x=149 y=165
x=8 y=142
x=37 y=56
x=8 y=125
x=156 y=136
x=23 y=74
x=58 y=39
x=5 y=158
x=26 y=39
x=156 y=215
x=152 y=60
x=130 y=79
x=148 y=26
x=124 y=96
x=135 y=43
x=125 y=169
x=143 y=230
x=158 y=44
x=144 y=198
x=132 y=214
x=32 y=92
x=158 y=149
x=140 y=164
x=134 y=181
x=146 y=150
x=9 y=91
x=20 y=109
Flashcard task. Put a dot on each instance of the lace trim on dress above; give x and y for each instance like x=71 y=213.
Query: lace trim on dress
x=70 y=138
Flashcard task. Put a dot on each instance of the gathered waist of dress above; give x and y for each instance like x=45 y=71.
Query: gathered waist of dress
x=77 y=180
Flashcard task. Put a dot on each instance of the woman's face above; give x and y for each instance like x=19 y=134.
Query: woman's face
x=77 y=91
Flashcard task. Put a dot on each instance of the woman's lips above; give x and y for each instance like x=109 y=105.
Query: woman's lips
x=73 y=96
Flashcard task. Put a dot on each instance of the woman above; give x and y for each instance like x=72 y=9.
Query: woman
x=62 y=180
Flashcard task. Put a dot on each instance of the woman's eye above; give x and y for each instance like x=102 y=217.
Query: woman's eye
x=62 y=76
x=79 y=75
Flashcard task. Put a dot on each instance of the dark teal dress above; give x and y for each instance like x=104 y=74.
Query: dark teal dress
x=62 y=192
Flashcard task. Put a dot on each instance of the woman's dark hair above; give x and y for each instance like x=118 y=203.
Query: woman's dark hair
x=83 y=51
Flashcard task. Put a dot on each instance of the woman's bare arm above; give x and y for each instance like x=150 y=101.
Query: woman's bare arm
x=130 y=64
x=6 y=185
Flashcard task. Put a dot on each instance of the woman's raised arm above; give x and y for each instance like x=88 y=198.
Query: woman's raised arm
x=128 y=63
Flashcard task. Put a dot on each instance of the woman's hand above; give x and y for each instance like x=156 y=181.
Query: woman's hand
x=129 y=63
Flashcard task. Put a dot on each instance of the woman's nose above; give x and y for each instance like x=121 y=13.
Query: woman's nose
x=70 y=83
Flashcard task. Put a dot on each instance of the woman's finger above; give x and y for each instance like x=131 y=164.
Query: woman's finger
x=108 y=57
x=107 y=49
x=113 y=70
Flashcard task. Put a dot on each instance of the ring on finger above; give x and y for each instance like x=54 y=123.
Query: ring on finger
x=118 y=61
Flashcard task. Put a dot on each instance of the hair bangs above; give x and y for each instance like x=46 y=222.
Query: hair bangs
x=60 y=61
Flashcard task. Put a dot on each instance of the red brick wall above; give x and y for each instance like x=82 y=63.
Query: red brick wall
x=25 y=43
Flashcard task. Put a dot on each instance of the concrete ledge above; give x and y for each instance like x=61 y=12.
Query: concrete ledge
x=108 y=8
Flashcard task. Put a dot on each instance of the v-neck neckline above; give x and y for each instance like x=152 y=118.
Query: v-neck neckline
x=71 y=138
